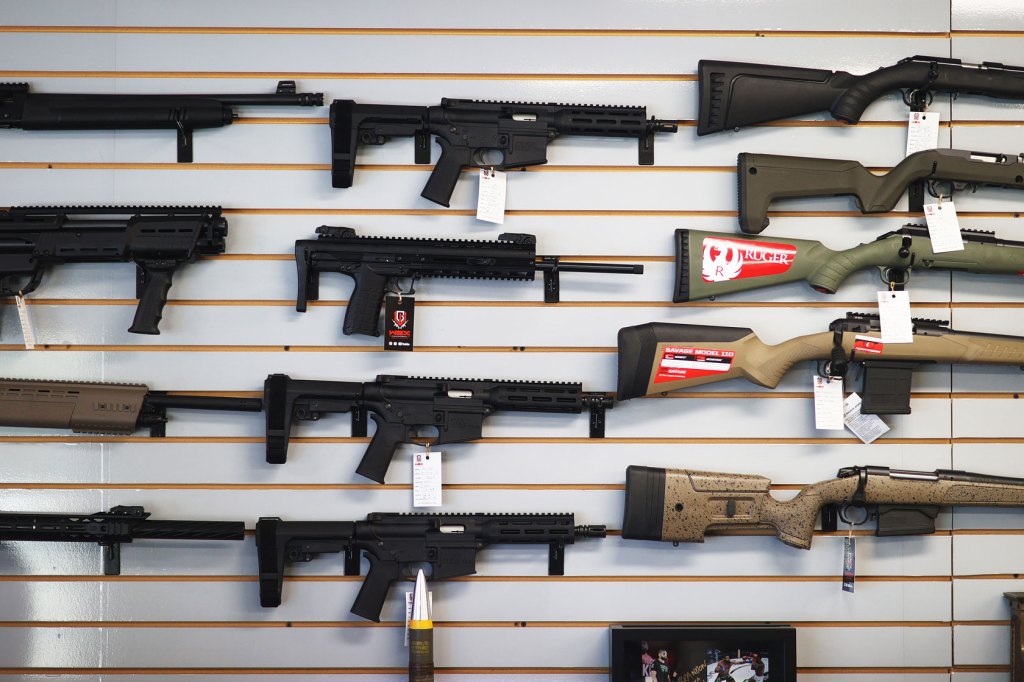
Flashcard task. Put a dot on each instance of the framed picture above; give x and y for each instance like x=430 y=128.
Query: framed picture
x=703 y=653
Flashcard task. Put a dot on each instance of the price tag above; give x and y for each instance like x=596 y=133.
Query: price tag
x=426 y=478
x=490 y=204
x=26 y=323
x=867 y=427
x=408 y=610
x=828 y=403
x=943 y=227
x=922 y=131
x=894 y=316
x=849 y=561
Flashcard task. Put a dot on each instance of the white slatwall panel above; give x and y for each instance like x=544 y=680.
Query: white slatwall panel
x=925 y=607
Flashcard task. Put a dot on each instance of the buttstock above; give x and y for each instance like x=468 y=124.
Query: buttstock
x=344 y=142
x=710 y=264
x=763 y=178
x=648 y=363
x=679 y=505
x=735 y=94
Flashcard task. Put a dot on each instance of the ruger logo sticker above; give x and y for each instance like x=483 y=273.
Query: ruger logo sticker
x=685 y=362
x=726 y=259
x=867 y=344
x=400 y=318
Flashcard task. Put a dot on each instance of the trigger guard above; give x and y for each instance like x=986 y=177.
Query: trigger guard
x=479 y=161
x=31 y=282
x=845 y=519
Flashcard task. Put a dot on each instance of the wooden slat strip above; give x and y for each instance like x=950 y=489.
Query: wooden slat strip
x=448 y=624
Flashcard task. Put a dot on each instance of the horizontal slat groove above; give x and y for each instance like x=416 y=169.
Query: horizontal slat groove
x=446 y=624
x=560 y=32
x=484 y=579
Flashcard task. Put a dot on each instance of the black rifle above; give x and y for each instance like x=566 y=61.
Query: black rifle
x=63 y=111
x=157 y=240
x=517 y=132
x=110 y=529
x=375 y=262
x=395 y=542
x=734 y=94
x=401 y=406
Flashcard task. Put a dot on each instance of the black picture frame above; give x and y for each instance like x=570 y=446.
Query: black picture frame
x=701 y=653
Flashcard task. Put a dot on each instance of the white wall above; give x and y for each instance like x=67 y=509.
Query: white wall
x=925 y=607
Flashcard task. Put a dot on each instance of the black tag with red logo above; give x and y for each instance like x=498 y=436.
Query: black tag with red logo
x=398 y=319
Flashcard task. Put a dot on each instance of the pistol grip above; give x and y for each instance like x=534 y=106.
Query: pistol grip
x=445 y=176
x=155 y=282
x=381 y=450
x=374 y=590
x=362 y=316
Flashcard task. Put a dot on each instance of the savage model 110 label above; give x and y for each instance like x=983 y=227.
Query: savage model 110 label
x=685 y=362
x=727 y=259
x=869 y=345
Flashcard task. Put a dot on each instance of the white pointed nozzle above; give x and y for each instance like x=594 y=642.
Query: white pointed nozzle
x=420 y=602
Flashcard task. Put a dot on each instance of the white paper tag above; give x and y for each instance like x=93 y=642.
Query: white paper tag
x=943 y=227
x=894 y=317
x=26 y=323
x=490 y=204
x=408 y=610
x=828 y=403
x=867 y=427
x=922 y=131
x=426 y=478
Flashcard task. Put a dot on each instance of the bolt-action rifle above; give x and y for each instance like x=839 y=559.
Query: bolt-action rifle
x=709 y=264
x=735 y=94
x=658 y=357
x=762 y=178
x=680 y=505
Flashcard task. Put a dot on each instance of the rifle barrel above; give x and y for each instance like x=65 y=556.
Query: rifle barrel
x=197 y=402
x=619 y=268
